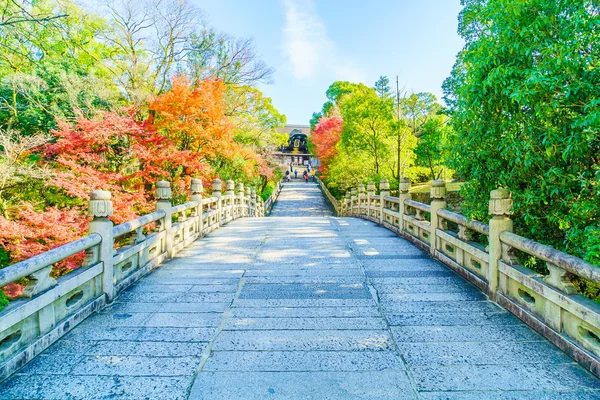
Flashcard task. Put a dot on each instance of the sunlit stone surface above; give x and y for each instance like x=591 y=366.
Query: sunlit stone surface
x=302 y=305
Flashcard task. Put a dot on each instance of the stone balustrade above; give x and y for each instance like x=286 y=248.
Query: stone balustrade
x=268 y=205
x=116 y=257
x=548 y=303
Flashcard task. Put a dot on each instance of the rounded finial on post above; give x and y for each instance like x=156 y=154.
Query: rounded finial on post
x=438 y=190
x=247 y=191
x=196 y=186
x=100 y=205
x=217 y=185
x=404 y=185
x=163 y=190
x=371 y=187
x=501 y=203
x=361 y=189
x=353 y=191
x=384 y=185
x=230 y=186
x=240 y=188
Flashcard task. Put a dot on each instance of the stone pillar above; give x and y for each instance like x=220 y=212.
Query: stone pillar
x=371 y=189
x=361 y=194
x=500 y=209
x=438 y=201
x=253 y=202
x=100 y=208
x=240 y=196
x=353 y=201
x=197 y=197
x=347 y=204
x=384 y=190
x=230 y=199
x=216 y=192
x=163 y=202
x=247 y=198
x=403 y=195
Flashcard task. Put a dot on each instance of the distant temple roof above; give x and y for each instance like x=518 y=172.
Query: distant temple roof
x=295 y=129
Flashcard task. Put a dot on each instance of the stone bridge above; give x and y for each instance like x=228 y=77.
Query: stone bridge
x=301 y=305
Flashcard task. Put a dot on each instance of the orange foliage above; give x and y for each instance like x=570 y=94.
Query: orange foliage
x=193 y=117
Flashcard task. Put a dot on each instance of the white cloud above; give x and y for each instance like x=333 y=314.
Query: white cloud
x=308 y=49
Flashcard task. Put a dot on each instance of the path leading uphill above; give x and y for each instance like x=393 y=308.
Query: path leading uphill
x=302 y=305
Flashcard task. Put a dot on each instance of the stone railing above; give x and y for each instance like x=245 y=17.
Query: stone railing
x=335 y=203
x=116 y=256
x=272 y=198
x=547 y=303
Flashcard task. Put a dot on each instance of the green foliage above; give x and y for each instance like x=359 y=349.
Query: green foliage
x=433 y=148
x=368 y=125
x=52 y=70
x=3 y=300
x=267 y=191
x=524 y=102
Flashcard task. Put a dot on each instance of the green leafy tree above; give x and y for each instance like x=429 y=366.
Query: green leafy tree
x=368 y=121
x=524 y=102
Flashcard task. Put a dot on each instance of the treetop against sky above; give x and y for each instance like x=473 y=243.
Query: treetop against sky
x=312 y=43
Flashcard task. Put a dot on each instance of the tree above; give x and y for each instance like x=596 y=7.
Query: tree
x=432 y=150
x=523 y=100
x=367 y=124
x=382 y=87
x=153 y=39
x=417 y=109
x=324 y=141
x=53 y=70
x=193 y=117
x=219 y=56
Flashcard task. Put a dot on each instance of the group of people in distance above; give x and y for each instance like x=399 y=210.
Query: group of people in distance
x=307 y=173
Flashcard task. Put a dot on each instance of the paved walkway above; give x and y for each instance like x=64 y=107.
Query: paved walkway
x=302 y=307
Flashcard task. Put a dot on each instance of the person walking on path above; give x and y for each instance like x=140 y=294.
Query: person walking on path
x=296 y=174
x=306 y=176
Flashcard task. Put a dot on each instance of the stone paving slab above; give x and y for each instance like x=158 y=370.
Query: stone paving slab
x=274 y=361
x=304 y=312
x=50 y=387
x=343 y=340
x=478 y=353
x=299 y=323
x=302 y=305
x=444 y=319
x=504 y=377
x=513 y=395
x=380 y=385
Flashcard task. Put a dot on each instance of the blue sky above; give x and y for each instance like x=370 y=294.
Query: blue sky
x=312 y=43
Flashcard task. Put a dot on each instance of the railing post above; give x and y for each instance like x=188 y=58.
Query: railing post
x=371 y=190
x=384 y=190
x=361 y=194
x=217 y=185
x=163 y=202
x=403 y=195
x=240 y=195
x=347 y=204
x=438 y=201
x=253 y=202
x=500 y=209
x=100 y=208
x=197 y=197
x=247 y=198
x=230 y=198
